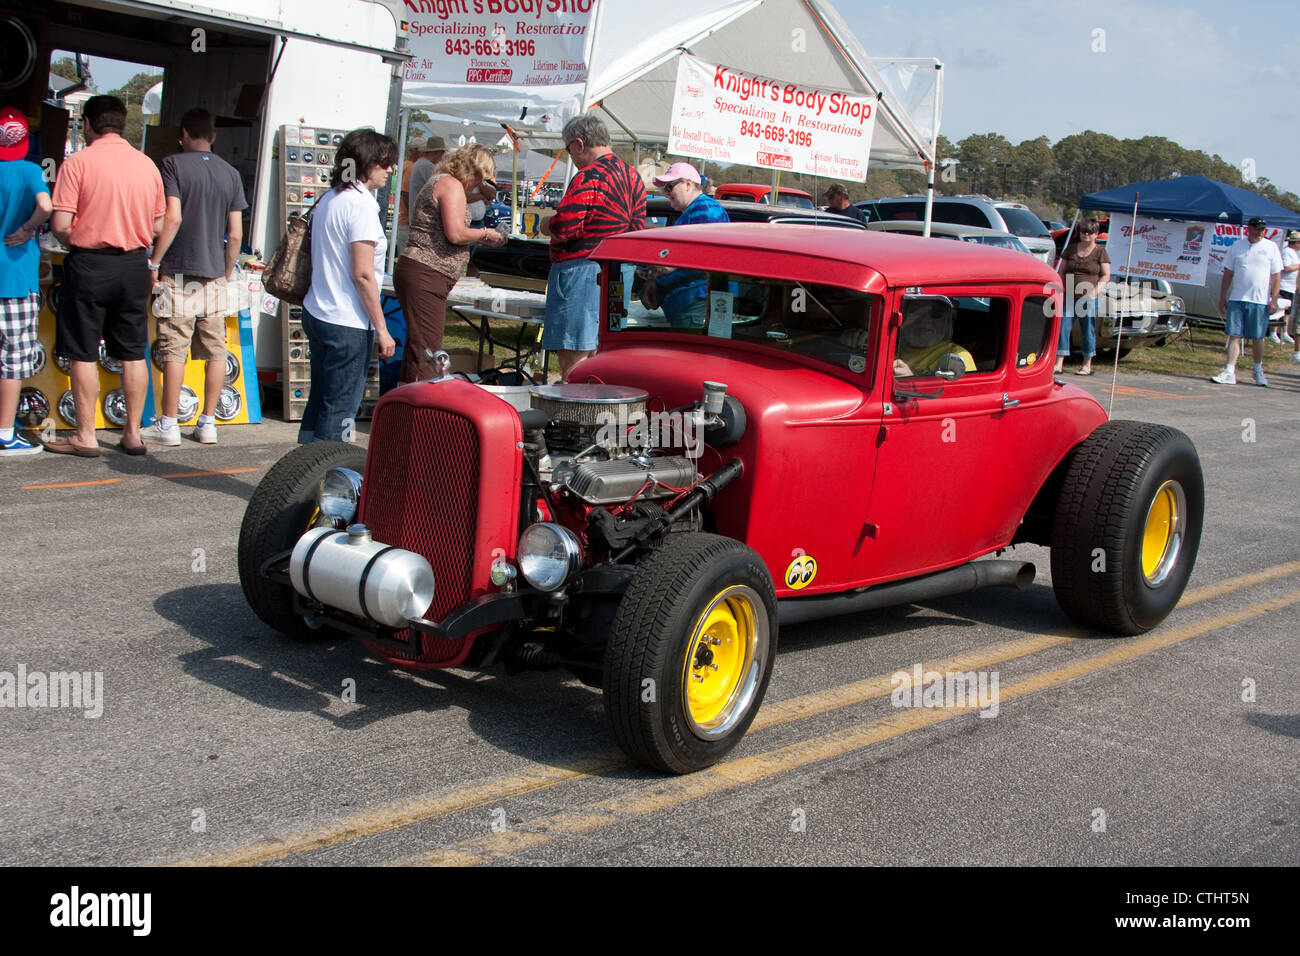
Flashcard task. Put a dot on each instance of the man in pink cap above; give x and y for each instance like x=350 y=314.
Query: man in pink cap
x=683 y=293
x=24 y=206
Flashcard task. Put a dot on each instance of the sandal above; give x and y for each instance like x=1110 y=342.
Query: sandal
x=64 y=447
x=1083 y=371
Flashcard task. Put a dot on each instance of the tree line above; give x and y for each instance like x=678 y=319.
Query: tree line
x=1048 y=177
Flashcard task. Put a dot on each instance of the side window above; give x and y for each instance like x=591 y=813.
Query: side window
x=1032 y=345
x=963 y=214
x=974 y=329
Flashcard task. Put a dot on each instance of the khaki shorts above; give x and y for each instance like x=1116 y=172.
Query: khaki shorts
x=191 y=309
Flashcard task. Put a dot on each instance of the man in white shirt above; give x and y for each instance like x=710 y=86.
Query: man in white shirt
x=1290 y=272
x=1252 y=272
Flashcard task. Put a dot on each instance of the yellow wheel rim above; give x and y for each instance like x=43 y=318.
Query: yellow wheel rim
x=1162 y=535
x=724 y=661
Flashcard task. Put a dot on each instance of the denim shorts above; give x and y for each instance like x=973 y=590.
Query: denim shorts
x=1249 y=320
x=572 y=306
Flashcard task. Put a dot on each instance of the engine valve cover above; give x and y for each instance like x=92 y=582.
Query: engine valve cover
x=613 y=482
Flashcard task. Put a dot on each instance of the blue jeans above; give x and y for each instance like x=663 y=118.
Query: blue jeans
x=1087 y=309
x=340 y=356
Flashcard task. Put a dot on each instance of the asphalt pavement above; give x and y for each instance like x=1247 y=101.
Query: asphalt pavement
x=220 y=741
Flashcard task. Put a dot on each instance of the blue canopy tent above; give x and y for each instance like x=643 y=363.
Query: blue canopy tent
x=1196 y=198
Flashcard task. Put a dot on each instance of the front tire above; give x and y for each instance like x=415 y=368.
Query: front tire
x=281 y=510
x=1127 y=526
x=691 y=652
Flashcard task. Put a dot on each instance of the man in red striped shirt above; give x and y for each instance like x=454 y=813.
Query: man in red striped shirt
x=604 y=198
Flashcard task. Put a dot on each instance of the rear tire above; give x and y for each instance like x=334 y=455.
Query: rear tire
x=282 y=509
x=1127 y=526
x=691 y=652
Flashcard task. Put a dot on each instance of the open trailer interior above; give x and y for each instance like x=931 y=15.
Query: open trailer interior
x=330 y=63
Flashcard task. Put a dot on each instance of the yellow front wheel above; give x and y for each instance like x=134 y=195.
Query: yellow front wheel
x=691 y=652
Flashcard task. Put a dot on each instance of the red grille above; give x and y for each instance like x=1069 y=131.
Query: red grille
x=421 y=493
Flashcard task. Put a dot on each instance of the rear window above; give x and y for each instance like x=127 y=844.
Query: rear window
x=1021 y=222
x=913 y=210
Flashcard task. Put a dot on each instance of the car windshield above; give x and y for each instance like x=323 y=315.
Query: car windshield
x=1021 y=222
x=821 y=322
x=1002 y=242
x=789 y=199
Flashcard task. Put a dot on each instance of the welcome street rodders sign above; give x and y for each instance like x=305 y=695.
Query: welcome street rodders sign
x=524 y=43
x=730 y=116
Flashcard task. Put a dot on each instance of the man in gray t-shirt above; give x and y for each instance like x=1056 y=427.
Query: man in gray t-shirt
x=194 y=256
x=435 y=147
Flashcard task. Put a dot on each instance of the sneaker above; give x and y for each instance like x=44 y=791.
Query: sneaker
x=18 y=445
x=1295 y=357
x=1227 y=377
x=1286 y=337
x=1259 y=376
x=155 y=434
x=206 y=433
x=1273 y=337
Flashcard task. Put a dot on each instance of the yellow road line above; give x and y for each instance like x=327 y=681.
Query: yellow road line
x=1241 y=581
x=771 y=714
x=732 y=774
x=389 y=818
x=394 y=817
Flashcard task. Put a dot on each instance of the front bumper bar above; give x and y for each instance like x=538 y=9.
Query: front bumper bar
x=483 y=613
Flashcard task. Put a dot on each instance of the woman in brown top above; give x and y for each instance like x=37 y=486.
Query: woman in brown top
x=438 y=250
x=1084 y=269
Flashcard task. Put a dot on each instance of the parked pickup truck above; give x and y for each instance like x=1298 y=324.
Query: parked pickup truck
x=837 y=420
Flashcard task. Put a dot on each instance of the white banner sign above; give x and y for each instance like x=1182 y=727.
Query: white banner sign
x=520 y=43
x=730 y=116
x=1224 y=238
x=1162 y=249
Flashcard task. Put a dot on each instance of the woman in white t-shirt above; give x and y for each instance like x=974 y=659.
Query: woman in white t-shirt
x=341 y=313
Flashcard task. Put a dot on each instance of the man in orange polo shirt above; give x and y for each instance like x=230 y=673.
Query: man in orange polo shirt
x=108 y=207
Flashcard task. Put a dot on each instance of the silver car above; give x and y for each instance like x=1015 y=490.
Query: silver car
x=1136 y=312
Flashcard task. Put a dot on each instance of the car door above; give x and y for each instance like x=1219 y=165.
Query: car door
x=946 y=485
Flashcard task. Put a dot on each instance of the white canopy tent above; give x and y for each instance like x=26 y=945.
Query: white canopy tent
x=632 y=75
x=632 y=57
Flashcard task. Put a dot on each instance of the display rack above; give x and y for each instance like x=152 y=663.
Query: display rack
x=306 y=158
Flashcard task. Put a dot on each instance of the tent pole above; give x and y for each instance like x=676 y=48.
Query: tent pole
x=397 y=188
x=1119 y=330
x=776 y=187
x=934 y=156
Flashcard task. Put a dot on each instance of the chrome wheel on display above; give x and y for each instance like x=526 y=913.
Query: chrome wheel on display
x=188 y=406
x=232 y=368
x=38 y=359
x=228 y=404
x=68 y=408
x=111 y=365
x=33 y=407
x=115 y=407
x=64 y=364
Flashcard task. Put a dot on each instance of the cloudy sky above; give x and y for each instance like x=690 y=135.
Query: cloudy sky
x=1219 y=76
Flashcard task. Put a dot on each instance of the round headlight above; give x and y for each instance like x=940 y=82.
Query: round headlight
x=549 y=554
x=340 y=490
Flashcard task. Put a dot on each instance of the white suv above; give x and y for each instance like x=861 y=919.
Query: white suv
x=1013 y=217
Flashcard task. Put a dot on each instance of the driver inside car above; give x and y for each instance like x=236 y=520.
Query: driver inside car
x=926 y=336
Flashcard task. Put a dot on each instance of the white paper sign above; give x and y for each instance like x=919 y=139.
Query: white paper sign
x=1162 y=248
x=521 y=43
x=730 y=116
x=720 y=313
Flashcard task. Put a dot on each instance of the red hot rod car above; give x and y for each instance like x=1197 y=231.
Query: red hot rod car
x=783 y=423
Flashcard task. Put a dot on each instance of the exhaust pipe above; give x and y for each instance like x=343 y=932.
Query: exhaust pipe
x=958 y=580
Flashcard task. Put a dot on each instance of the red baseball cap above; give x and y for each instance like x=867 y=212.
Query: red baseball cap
x=13 y=134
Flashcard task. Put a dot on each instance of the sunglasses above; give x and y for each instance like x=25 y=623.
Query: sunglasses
x=669 y=187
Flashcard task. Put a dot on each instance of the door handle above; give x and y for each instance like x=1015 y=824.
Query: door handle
x=1008 y=401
